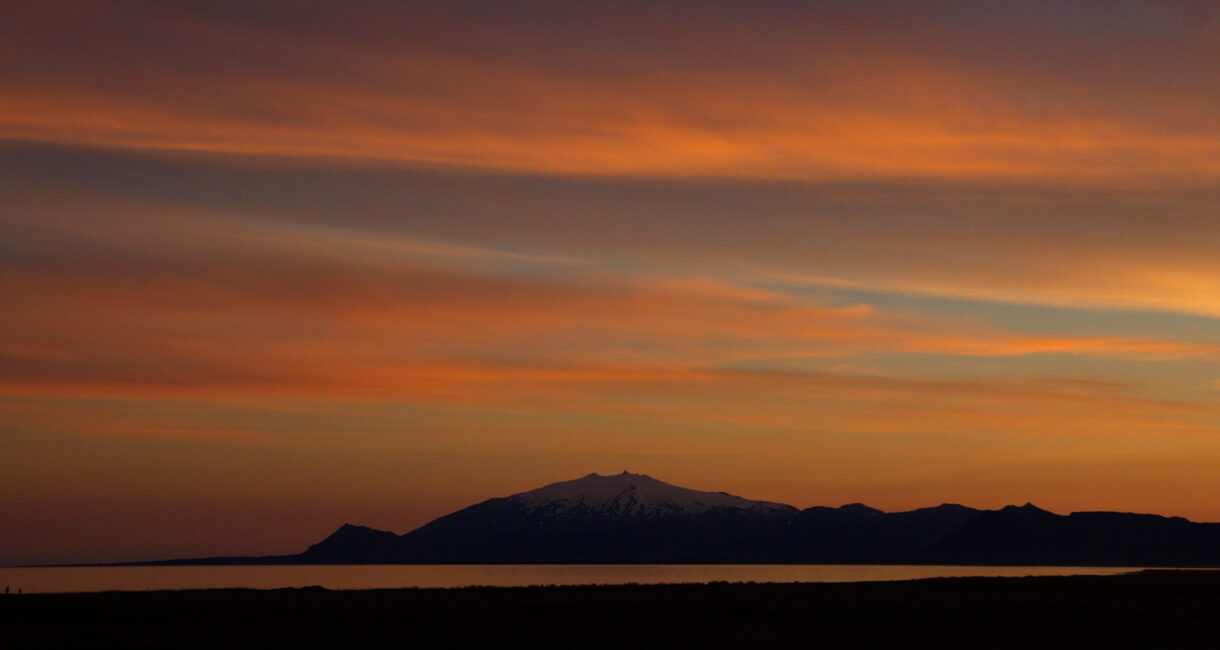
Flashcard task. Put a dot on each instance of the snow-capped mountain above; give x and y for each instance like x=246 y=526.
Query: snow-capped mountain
x=634 y=495
x=635 y=518
x=619 y=518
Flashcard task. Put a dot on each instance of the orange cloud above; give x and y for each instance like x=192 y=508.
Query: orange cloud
x=857 y=97
x=286 y=316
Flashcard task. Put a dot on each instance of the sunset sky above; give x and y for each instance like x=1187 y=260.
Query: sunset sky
x=267 y=267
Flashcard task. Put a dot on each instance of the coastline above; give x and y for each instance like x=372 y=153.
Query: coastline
x=1134 y=609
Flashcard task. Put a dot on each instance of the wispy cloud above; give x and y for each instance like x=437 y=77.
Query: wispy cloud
x=947 y=91
x=269 y=313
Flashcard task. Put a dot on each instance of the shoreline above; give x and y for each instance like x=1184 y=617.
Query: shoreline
x=1145 y=608
x=209 y=562
x=354 y=577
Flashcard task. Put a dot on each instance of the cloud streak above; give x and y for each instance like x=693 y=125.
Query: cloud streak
x=266 y=312
x=1090 y=248
x=800 y=91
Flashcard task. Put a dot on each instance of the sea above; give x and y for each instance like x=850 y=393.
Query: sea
x=396 y=576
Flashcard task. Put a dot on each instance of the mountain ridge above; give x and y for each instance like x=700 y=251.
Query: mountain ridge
x=634 y=518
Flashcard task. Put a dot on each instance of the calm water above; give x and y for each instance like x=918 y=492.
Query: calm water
x=65 y=579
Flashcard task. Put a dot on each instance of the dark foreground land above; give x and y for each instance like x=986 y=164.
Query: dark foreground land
x=1154 y=609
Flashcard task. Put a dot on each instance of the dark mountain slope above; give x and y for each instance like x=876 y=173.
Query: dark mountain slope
x=1028 y=535
x=622 y=518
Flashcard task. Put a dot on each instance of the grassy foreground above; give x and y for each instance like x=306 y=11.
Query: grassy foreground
x=1154 y=609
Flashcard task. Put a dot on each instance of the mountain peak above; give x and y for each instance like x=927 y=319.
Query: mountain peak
x=624 y=474
x=1027 y=510
x=628 y=494
x=860 y=509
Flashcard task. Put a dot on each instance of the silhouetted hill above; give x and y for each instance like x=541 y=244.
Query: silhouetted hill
x=857 y=534
x=354 y=545
x=1029 y=535
x=632 y=518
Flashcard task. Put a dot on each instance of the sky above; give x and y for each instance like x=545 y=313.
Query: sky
x=270 y=266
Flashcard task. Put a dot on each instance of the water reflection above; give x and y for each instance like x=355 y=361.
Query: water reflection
x=78 y=579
